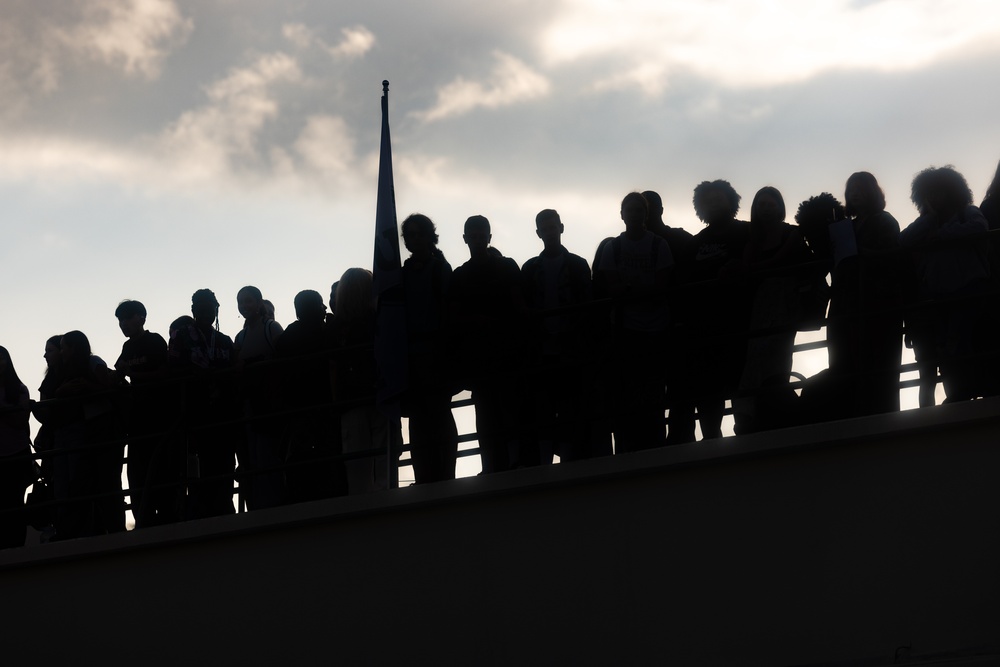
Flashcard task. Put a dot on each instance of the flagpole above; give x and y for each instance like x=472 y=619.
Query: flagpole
x=390 y=318
x=385 y=137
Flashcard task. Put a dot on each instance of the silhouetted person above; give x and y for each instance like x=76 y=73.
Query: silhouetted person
x=143 y=363
x=821 y=394
x=679 y=366
x=864 y=331
x=262 y=480
x=366 y=433
x=305 y=391
x=636 y=268
x=199 y=351
x=485 y=310
x=716 y=306
x=87 y=469
x=771 y=263
x=558 y=279
x=953 y=278
x=17 y=470
x=427 y=403
x=43 y=518
x=814 y=217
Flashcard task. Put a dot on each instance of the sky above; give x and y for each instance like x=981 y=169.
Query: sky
x=149 y=148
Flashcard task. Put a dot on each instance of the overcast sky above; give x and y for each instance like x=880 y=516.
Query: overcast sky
x=149 y=148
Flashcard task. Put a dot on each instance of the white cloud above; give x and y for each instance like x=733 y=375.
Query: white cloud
x=299 y=34
x=741 y=43
x=326 y=145
x=135 y=35
x=207 y=141
x=356 y=41
x=41 y=43
x=511 y=81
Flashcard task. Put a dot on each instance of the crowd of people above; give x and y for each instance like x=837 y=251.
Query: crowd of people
x=563 y=357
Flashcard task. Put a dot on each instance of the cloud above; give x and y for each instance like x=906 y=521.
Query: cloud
x=326 y=145
x=511 y=81
x=356 y=42
x=42 y=44
x=134 y=35
x=210 y=140
x=740 y=44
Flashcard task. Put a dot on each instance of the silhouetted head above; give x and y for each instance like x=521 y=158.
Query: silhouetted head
x=309 y=306
x=355 y=295
x=131 y=317
x=333 y=297
x=634 y=211
x=941 y=191
x=655 y=205
x=74 y=352
x=477 y=235
x=768 y=206
x=250 y=303
x=179 y=323
x=205 y=307
x=51 y=356
x=419 y=235
x=863 y=195
x=549 y=228
x=814 y=217
x=716 y=201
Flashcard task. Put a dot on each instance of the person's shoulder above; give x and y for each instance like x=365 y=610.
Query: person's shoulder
x=153 y=339
x=908 y=233
x=885 y=219
x=793 y=232
x=607 y=251
x=576 y=261
x=678 y=233
x=703 y=234
x=442 y=265
x=740 y=227
x=973 y=212
x=499 y=265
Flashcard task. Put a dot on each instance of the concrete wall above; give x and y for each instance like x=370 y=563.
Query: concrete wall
x=820 y=545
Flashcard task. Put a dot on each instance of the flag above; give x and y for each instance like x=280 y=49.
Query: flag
x=390 y=317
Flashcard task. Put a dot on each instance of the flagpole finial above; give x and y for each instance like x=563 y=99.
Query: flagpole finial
x=385 y=86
